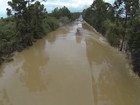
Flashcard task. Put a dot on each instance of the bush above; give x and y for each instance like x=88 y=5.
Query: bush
x=112 y=34
x=64 y=20
x=50 y=24
x=134 y=45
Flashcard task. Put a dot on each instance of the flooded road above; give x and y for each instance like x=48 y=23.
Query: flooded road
x=69 y=68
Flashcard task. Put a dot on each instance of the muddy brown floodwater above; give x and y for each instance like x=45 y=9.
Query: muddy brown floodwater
x=69 y=68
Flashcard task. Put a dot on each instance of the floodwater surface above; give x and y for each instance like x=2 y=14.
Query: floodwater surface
x=69 y=68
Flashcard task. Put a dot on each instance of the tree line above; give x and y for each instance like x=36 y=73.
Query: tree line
x=120 y=24
x=27 y=21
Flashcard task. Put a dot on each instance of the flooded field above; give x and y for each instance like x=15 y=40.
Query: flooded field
x=69 y=68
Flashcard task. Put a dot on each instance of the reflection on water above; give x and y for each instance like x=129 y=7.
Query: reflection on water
x=32 y=67
x=69 y=69
x=78 y=39
x=5 y=99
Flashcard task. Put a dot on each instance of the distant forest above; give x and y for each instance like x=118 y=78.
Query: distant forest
x=27 y=21
x=120 y=24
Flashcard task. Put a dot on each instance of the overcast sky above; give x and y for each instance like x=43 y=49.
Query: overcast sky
x=73 y=5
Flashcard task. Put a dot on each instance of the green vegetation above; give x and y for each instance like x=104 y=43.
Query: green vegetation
x=63 y=15
x=119 y=23
x=28 y=21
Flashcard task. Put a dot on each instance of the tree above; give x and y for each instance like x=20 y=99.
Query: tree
x=9 y=13
x=28 y=18
x=62 y=12
x=36 y=19
x=87 y=14
x=97 y=14
x=134 y=41
x=121 y=24
x=126 y=10
x=134 y=45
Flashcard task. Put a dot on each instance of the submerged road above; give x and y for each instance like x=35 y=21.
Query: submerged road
x=69 y=68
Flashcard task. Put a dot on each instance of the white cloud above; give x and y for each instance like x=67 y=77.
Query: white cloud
x=73 y=5
x=110 y=1
x=3 y=6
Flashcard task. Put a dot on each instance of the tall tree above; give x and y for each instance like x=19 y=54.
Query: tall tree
x=125 y=10
x=28 y=18
x=98 y=12
x=134 y=41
